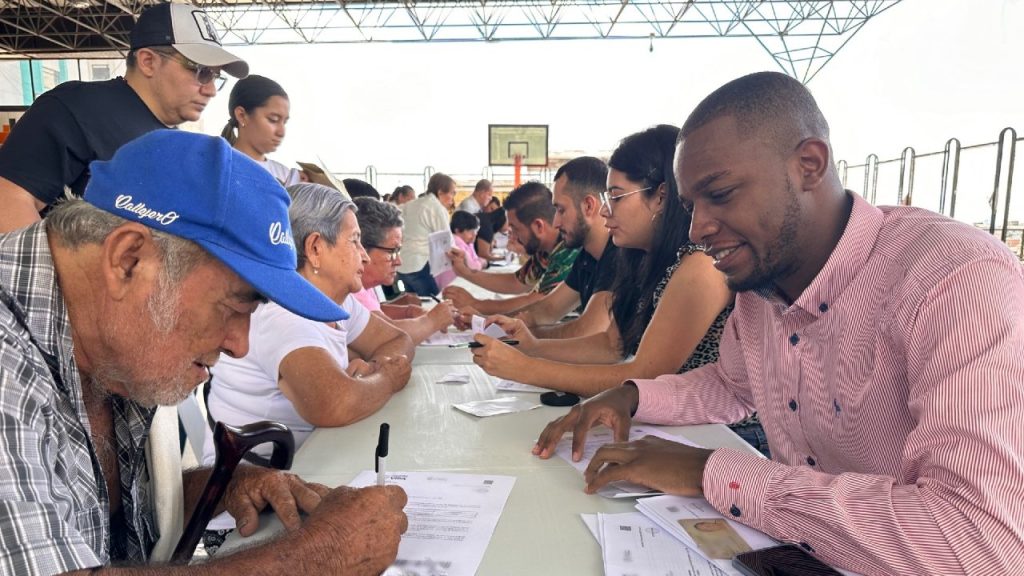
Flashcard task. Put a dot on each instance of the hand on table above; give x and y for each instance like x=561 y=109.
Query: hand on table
x=613 y=408
x=356 y=531
x=358 y=367
x=406 y=299
x=498 y=359
x=654 y=462
x=396 y=370
x=459 y=296
x=516 y=330
x=253 y=488
x=414 y=311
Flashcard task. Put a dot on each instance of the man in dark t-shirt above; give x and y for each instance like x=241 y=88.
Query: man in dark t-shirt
x=173 y=70
x=578 y=185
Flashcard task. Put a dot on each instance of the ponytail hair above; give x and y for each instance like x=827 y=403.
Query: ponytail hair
x=250 y=93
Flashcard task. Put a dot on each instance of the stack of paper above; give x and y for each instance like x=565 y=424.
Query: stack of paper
x=696 y=523
x=632 y=544
x=451 y=519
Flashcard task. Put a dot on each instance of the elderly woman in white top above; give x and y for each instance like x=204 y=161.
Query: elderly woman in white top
x=298 y=371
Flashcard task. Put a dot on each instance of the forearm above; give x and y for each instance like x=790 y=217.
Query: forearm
x=592 y=349
x=488 y=307
x=582 y=379
x=503 y=283
x=594 y=319
x=20 y=207
x=401 y=346
x=418 y=329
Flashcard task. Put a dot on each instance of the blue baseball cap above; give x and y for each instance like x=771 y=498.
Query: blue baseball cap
x=199 y=188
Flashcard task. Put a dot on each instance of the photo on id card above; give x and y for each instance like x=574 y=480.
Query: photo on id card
x=715 y=537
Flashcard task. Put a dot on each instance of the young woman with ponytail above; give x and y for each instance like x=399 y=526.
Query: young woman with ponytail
x=259 y=111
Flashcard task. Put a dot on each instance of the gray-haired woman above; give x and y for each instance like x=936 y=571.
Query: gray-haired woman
x=381 y=224
x=298 y=371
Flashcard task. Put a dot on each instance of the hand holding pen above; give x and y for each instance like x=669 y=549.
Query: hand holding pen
x=381 y=454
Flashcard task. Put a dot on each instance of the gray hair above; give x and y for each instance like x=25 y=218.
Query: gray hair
x=376 y=219
x=316 y=209
x=77 y=223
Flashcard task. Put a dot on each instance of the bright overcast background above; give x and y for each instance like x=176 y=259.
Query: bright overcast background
x=918 y=74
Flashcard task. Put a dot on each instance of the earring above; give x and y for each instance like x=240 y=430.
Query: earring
x=316 y=270
x=242 y=124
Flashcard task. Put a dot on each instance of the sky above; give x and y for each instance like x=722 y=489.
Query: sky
x=920 y=73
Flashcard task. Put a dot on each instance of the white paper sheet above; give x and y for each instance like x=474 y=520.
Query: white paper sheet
x=512 y=386
x=599 y=437
x=494 y=331
x=591 y=522
x=454 y=378
x=451 y=519
x=632 y=544
x=496 y=406
x=439 y=243
x=667 y=511
x=449 y=338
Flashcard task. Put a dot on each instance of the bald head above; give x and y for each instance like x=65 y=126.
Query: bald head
x=768 y=105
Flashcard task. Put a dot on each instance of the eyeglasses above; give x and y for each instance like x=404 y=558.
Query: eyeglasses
x=607 y=200
x=204 y=74
x=392 y=253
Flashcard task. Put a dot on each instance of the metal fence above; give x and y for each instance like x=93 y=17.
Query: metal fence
x=972 y=183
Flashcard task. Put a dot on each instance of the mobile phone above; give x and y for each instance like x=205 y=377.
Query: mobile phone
x=785 y=560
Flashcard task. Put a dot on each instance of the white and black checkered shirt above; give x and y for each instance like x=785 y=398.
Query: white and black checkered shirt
x=54 y=510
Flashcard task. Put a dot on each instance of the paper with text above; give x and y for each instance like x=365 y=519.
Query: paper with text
x=451 y=519
x=439 y=243
x=632 y=544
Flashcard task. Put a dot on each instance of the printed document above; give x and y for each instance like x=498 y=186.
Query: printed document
x=451 y=519
x=632 y=544
x=439 y=243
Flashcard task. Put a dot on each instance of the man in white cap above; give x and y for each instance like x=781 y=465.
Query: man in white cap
x=120 y=301
x=174 y=68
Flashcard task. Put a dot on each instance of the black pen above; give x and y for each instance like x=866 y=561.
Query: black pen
x=381 y=453
x=475 y=344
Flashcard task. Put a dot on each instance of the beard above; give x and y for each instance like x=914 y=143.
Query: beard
x=780 y=256
x=578 y=235
x=532 y=246
x=124 y=371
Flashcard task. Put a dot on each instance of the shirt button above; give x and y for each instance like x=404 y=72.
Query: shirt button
x=735 y=511
x=835 y=404
x=792 y=405
x=794 y=339
x=810 y=461
x=823 y=307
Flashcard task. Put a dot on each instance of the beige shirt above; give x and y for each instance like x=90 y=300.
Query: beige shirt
x=423 y=216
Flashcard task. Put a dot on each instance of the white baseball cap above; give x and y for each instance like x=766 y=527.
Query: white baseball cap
x=188 y=30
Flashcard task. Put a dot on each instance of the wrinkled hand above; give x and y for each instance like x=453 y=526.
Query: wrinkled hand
x=499 y=359
x=654 y=462
x=356 y=531
x=442 y=315
x=394 y=369
x=612 y=408
x=253 y=488
x=358 y=367
x=459 y=296
x=458 y=258
x=517 y=330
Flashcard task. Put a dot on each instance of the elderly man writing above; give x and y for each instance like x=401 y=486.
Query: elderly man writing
x=881 y=347
x=120 y=302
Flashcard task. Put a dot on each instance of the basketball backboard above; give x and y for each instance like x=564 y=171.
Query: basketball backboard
x=506 y=141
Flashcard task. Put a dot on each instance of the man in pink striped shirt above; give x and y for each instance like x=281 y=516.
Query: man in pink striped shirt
x=882 y=348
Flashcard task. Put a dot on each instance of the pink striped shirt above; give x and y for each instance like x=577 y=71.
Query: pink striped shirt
x=892 y=395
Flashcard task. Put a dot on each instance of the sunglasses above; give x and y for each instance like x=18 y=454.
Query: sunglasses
x=204 y=74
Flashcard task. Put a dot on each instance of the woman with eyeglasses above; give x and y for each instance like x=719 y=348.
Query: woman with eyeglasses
x=669 y=304
x=298 y=371
x=259 y=110
x=381 y=224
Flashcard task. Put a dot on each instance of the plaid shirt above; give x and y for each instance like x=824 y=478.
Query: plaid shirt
x=545 y=271
x=54 y=510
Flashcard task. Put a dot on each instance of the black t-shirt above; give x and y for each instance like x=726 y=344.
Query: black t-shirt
x=589 y=275
x=486 y=231
x=68 y=127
